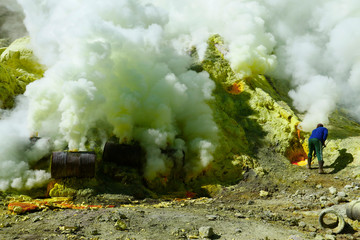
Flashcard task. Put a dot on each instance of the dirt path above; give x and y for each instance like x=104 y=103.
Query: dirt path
x=165 y=220
x=259 y=207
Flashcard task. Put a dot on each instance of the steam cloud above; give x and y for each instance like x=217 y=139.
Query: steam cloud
x=316 y=51
x=121 y=68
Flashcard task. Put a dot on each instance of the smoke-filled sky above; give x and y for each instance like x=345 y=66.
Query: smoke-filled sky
x=120 y=67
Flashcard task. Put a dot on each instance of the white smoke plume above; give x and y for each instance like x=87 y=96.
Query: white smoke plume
x=120 y=67
x=312 y=45
x=112 y=69
x=316 y=51
x=17 y=152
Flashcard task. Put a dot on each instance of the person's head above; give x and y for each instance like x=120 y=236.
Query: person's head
x=319 y=125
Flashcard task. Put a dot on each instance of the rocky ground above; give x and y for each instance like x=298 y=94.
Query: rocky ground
x=258 y=207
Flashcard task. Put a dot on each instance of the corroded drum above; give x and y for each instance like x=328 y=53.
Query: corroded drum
x=123 y=154
x=73 y=164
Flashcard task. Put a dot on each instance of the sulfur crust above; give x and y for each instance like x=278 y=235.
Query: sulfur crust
x=18 y=68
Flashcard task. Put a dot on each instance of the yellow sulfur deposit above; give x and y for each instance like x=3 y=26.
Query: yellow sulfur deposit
x=249 y=112
x=18 y=67
x=60 y=190
x=20 y=57
x=212 y=189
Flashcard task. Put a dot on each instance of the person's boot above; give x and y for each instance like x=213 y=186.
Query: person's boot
x=321 y=164
x=308 y=163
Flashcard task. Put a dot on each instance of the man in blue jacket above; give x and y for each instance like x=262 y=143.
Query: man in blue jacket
x=316 y=143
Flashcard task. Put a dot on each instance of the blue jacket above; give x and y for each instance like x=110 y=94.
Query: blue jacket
x=320 y=133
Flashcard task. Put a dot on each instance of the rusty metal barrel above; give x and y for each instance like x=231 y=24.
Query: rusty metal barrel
x=73 y=164
x=123 y=154
x=353 y=210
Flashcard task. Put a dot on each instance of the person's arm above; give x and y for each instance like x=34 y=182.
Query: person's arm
x=325 y=134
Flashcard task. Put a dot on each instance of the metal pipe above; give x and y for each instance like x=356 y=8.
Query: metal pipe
x=336 y=226
x=353 y=210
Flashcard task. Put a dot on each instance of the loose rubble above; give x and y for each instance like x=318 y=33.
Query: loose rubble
x=291 y=211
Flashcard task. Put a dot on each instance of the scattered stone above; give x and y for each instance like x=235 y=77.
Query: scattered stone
x=332 y=190
x=330 y=237
x=85 y=193
x=319 y=186
x=348 y=186
x=340 y=200
x=356 y=235
x=239 y=215
x=297 y=193
x=179 y=232
x=238 y=230
x=341 y=194
x=264 y=193
x=312 y=234
x=336 y=177
x=102 y=218
x=295 y=237
x=142 y=213
x=211 y=217
x=251 y=213
x=292 y=222
x=120 y=225
x=206 y=232
x=119 y=215
x=250 y=175
x=323 y=199
x=328 y=231
x=95 y=232
x=5 y=224
x=250 y=202
x=311 y=228
x=37 y=218
x=311 y=197
x=18 y=210
x=302 y=224
x=68 y=229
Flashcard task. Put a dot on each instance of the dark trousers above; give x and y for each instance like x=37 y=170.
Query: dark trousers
x=315 y=145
